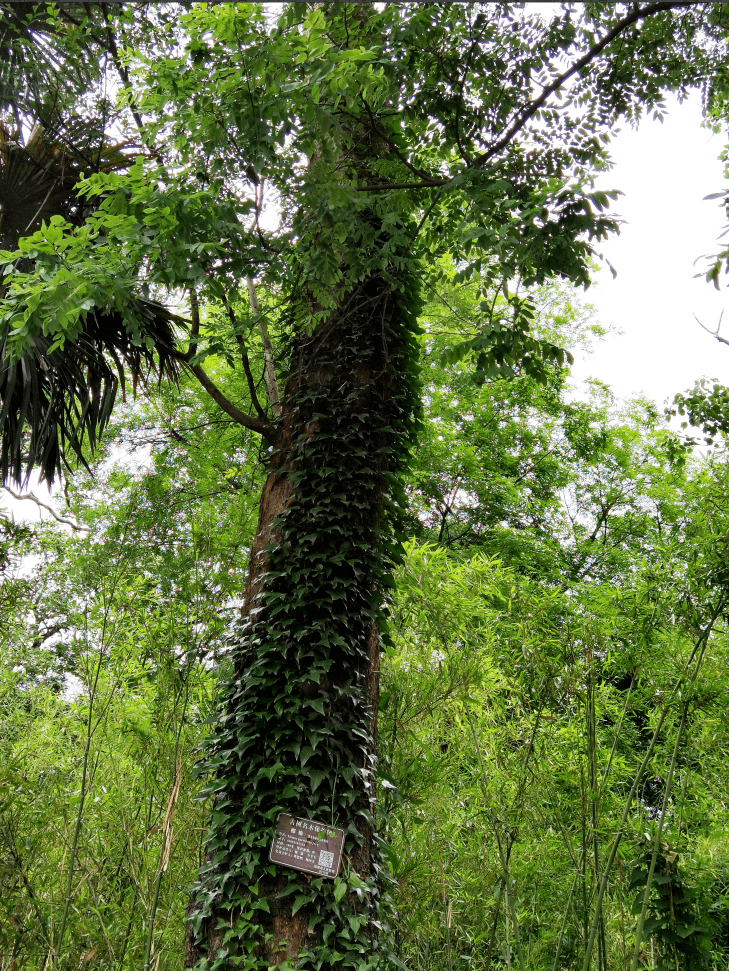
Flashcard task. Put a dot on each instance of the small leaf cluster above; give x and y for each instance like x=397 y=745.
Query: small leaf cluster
x=705 y=406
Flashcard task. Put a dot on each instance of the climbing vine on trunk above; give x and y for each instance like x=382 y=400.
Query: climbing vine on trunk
x=297 y=732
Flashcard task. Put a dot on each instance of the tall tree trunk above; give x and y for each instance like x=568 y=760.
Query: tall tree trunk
x=297 y=732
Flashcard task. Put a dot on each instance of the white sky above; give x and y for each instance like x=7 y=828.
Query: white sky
x=665 y=170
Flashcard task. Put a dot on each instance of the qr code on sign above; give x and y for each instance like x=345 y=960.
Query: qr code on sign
x=326 y=859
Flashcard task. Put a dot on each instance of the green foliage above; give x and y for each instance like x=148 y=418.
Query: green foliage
x=680 y=921
x=230 y=100
x=89 y=776
x=511 y=697
x=536 y=667
x=514 y=717
x=706 y=406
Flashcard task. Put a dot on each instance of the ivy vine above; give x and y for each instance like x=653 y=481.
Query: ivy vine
x=297 y=728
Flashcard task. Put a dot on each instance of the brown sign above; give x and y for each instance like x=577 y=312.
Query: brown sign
x=307 y=845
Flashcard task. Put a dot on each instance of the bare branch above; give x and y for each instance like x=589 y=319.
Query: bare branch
x=714 y=333
x=43 y=505
x=258 y=425
x=269 y=371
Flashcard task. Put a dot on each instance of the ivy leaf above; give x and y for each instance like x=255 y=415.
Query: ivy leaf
x=316 y=776
x=300 y=901
x=340 y=889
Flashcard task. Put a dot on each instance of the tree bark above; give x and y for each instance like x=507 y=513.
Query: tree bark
x=301 y=704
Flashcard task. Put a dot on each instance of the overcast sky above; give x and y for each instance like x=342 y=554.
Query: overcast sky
x=665 y=170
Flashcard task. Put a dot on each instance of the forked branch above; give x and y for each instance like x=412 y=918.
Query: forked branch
x=43 y=505
x=714 y=333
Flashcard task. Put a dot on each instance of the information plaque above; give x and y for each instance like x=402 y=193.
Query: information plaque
x=307 y=845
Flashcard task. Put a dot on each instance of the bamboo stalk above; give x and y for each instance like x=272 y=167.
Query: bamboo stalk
x=697 y=653
x=503 y=857
x=510 y=901
x=168 y=832
x=564 y=922
x=657 y=839
x=79 y=815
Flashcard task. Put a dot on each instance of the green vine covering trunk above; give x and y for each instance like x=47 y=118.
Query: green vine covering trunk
x=298 y=730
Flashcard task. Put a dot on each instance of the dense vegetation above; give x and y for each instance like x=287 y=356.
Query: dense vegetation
x=541 y=578
x=559 y=616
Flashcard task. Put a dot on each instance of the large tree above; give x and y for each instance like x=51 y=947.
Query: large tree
x=290 y=180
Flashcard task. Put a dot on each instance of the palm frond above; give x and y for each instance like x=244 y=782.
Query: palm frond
x=55 y=405
x=38 y=179
x=42 y=59
x=35 y=184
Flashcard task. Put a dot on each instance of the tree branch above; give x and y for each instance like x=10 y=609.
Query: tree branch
x=387 y=186
x=421 y=173
x=269 y=370
x=124 y=75
x=261 y=426
x=636 y=15
x=195 y=323
x=244 y=360
x=50 y=509
x=714 y=333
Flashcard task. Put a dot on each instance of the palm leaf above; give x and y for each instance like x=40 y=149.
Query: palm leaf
x=42 y=57
x=55 y=405
x=34 y=185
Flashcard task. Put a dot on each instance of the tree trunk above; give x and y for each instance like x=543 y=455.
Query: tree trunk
x=297 y=733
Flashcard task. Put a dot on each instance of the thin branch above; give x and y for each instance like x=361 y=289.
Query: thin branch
x=714 y=333
x=387 y=186
x=269 y=371
x=50 y=509
x=421 y=174
x=503 y=854
x=459 y=104
x=167 y=837
x=195 y=324
x=448 y=508
x=635 y=16
x=244 y=359
x=86 y=784
x=124 y=75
